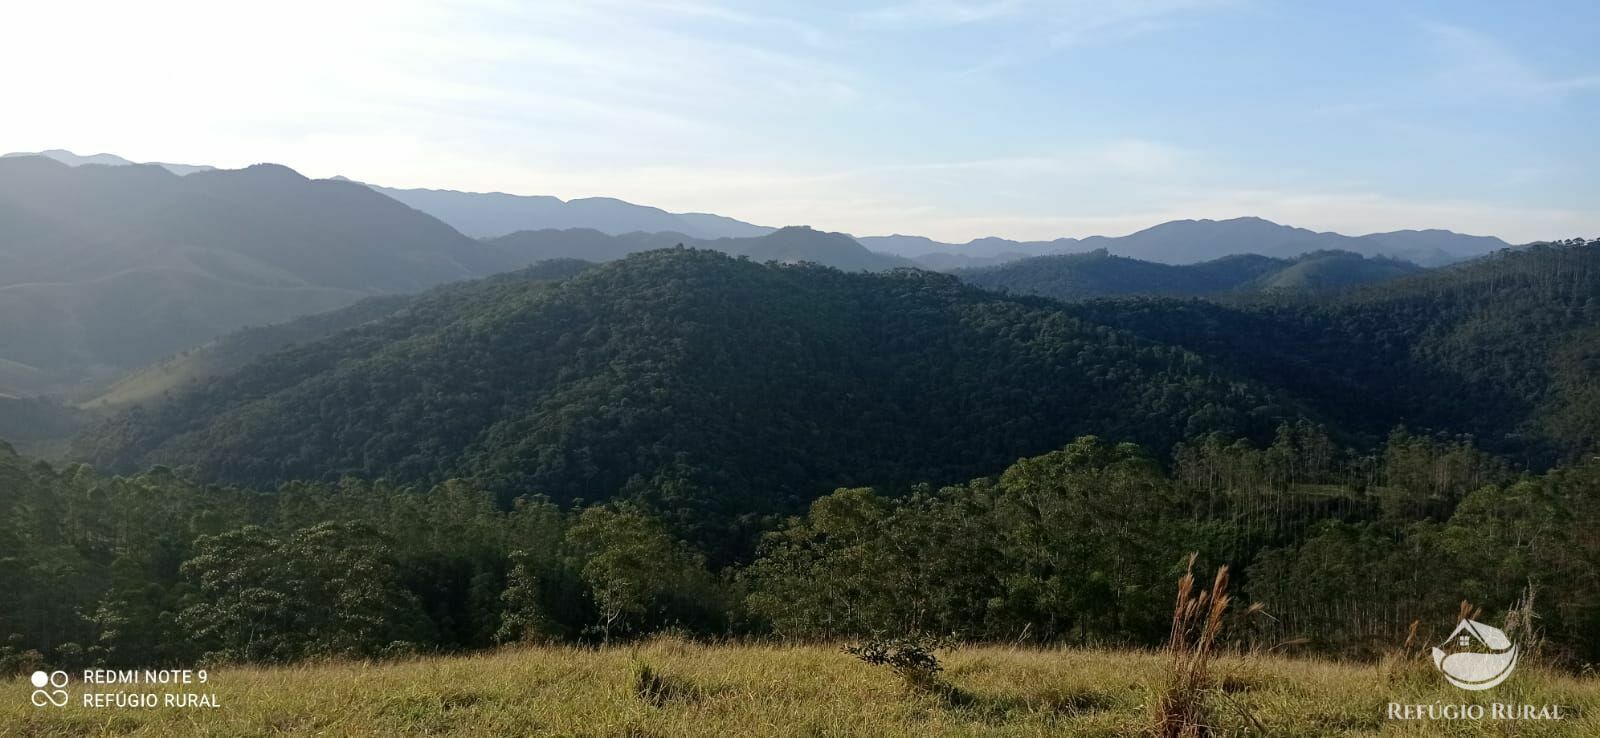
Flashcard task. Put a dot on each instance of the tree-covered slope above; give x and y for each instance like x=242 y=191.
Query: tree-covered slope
x=1328 y=270
x=792 y=244
x=691 y=379
x=106 y=268
x=236 y=350
x=1101 y=274
x=1506 y=347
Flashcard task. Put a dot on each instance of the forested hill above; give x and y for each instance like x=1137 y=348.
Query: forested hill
x=237 y=349
x=692 y=379
x=792 y=244
x=1506 y=348
x=1101 y=274
x=106 y=268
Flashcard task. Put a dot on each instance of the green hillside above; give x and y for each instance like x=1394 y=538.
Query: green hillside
x=694 y=379
x=38 y=426
x=235 y=350
x=1503 y=348
x=1100 y=274
x=1325 y=270
x=790 y=245
x=90 y=331
x=106 y=268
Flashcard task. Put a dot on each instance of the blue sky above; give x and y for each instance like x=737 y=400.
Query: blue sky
x=947 y=118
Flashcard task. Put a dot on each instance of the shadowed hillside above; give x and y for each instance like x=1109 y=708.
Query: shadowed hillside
x=687 y=374
x=105 y=268
x=791 y=245
x=1502 y=348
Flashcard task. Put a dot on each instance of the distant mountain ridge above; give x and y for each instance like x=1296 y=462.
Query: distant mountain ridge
x=495 y=214
x=492 y=214
x=791 y=244
x=106 y=268
x=111 y=160
x=1193 y=241
x=1100 y=274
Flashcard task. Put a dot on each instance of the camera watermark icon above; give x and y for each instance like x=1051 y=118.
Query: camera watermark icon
x=49 y=689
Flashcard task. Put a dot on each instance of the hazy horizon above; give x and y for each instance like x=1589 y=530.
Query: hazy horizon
x=951 y=120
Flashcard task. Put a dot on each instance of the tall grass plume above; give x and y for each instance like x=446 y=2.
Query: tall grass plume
x=1197 y=623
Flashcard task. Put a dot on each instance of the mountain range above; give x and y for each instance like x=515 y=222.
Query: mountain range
x=484 y=215
x=1193 y=241
x=111 y=160
x=107 y=266
x=737 y=385
x=1100 y=274
x=791 y=244
x=716 y=386
x=489 y=214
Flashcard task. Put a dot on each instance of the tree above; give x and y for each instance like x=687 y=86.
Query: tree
x=525 y=616
x=639 y=576
x=328 y=590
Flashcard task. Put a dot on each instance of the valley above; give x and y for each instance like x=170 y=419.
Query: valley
x=361 y=434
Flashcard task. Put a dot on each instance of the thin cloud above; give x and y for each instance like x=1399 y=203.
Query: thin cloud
x=1065 y=25
x=1074 y=24
x=941 y=12
x=1478 y=66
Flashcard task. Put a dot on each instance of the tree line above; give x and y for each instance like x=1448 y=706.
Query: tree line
x=1344 y=548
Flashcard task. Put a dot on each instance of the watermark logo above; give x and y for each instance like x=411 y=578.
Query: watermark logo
x=50 y=689
x=1476 y=656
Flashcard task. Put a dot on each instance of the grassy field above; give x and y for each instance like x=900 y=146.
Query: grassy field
x=757 y=690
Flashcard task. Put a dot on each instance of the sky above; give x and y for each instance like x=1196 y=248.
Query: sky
x=953 y=119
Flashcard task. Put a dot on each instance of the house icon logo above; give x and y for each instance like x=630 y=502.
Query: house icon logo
x=1475 y=656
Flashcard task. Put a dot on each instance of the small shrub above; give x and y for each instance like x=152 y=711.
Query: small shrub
x=14 y=659
x=911 y=658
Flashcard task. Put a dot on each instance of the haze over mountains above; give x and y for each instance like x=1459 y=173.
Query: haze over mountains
x=107 y=265
x=715 y=393
x=105 y=268
x=666 y=364
x=112 y=160
x=490 y=214
x=1193 y=241
x=790 y=244
x=485 y=215
x=1099 y=274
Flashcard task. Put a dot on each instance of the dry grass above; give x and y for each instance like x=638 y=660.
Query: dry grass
x=1196 y=622
x=670 y=687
